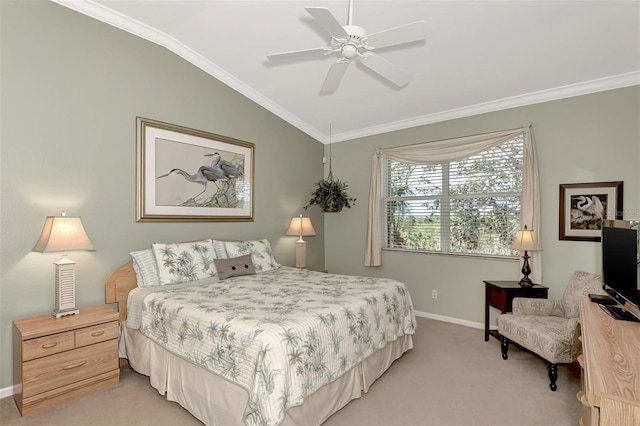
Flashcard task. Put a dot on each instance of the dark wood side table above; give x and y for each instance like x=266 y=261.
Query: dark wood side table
x=500 y=294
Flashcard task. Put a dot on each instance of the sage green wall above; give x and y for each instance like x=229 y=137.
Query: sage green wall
x=71 y=90
x=589 y=138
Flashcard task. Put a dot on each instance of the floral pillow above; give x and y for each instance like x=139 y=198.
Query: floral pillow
x=144 y=264
x=234 y=267
x=184 y=262
x=260 y=251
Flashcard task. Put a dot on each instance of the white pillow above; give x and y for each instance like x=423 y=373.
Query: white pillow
x=184 y=262
x=260 y=250
x=144 y=263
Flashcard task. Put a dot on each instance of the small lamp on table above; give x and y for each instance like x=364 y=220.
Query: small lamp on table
x=526 y=241
x=302 y=227
x=62 y=234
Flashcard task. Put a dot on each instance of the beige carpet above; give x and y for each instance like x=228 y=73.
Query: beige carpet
x=451 y=377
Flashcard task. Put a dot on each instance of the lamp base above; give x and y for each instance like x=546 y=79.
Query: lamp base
x=525 y=282
x=65 y=312
x=65 y=290
x=526 y=270
x=301 y=254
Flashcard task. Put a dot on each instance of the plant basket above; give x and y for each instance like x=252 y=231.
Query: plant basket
x=331 y=195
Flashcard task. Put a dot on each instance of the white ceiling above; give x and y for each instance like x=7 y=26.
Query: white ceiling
x=479 y=56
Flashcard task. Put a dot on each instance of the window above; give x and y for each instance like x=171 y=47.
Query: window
x=470 y=206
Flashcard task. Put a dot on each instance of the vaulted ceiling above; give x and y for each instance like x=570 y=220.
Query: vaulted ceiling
x=478 y=56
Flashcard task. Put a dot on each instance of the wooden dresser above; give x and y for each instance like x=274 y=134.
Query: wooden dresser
x=611 y=368
x=58 y=359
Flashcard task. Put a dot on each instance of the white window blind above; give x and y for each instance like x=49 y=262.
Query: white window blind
x=469 y=206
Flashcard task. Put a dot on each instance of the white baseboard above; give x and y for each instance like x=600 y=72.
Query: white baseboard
x=452 y=320
x=8 y=391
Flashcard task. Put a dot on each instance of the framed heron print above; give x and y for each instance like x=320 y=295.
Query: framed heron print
x=188 y=175
x=584 y=206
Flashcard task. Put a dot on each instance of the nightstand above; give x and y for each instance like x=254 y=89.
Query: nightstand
x=500 y=295
x=59 y=359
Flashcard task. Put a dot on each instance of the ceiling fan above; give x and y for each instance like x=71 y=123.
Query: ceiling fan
x=353 y=42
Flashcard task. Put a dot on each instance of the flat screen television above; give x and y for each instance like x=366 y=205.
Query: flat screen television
x=620 y=262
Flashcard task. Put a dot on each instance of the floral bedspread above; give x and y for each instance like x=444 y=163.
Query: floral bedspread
x=280 y=335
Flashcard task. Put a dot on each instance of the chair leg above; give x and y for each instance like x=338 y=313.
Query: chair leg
x=553 y=376
x=505 y=347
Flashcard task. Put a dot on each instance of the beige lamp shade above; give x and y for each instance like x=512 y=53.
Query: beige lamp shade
x=62 y=234
x=302 y=227
x=526 y=241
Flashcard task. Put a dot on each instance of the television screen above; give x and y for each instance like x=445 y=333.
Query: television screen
x=620 y=263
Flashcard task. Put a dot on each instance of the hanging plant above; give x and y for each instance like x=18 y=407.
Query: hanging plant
x=331 y=194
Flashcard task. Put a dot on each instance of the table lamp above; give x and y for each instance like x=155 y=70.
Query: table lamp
x=526 y=241
x=62 y=234
x=302 y=227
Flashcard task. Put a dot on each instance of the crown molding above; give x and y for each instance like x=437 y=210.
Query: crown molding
x=568 y=91
x=125 y=23
x=137 y=28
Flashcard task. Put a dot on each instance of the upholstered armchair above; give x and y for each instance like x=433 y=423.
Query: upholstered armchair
x=548 y=327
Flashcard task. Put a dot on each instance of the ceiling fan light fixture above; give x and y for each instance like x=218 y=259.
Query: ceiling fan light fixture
x=349 y=51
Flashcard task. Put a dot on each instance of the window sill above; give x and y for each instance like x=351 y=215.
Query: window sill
x=466 y=255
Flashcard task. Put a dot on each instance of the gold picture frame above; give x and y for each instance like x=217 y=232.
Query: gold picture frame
x=187 y=175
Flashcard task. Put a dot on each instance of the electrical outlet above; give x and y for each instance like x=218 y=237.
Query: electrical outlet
x=434 y=294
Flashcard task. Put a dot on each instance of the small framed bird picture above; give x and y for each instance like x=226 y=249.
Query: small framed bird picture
x=585 y=206
x=190 y=175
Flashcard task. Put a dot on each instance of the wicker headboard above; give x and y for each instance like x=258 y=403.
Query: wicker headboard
x=117 y=287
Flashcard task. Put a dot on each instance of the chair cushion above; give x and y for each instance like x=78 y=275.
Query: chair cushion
x=538 y=307
x=548 y=337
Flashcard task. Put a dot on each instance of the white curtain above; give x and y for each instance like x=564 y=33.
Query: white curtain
x=447 y=151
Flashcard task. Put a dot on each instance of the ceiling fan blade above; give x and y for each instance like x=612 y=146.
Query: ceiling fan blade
x=327 y=21
x=398 y=35
x=316 y=51
x=386 y=69
x=334 y=76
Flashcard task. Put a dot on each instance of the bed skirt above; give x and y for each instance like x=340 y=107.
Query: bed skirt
x=216 y=401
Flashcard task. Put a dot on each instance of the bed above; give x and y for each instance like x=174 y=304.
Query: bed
x=289 y=346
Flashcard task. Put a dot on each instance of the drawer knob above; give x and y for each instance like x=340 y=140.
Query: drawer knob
x=97 y=333
x=49 y=345
x=76 y=365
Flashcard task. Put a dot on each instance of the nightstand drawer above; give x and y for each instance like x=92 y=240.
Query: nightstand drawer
x=47 y=345
x=43 y=374
x=97 y=333
x=497 y=298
